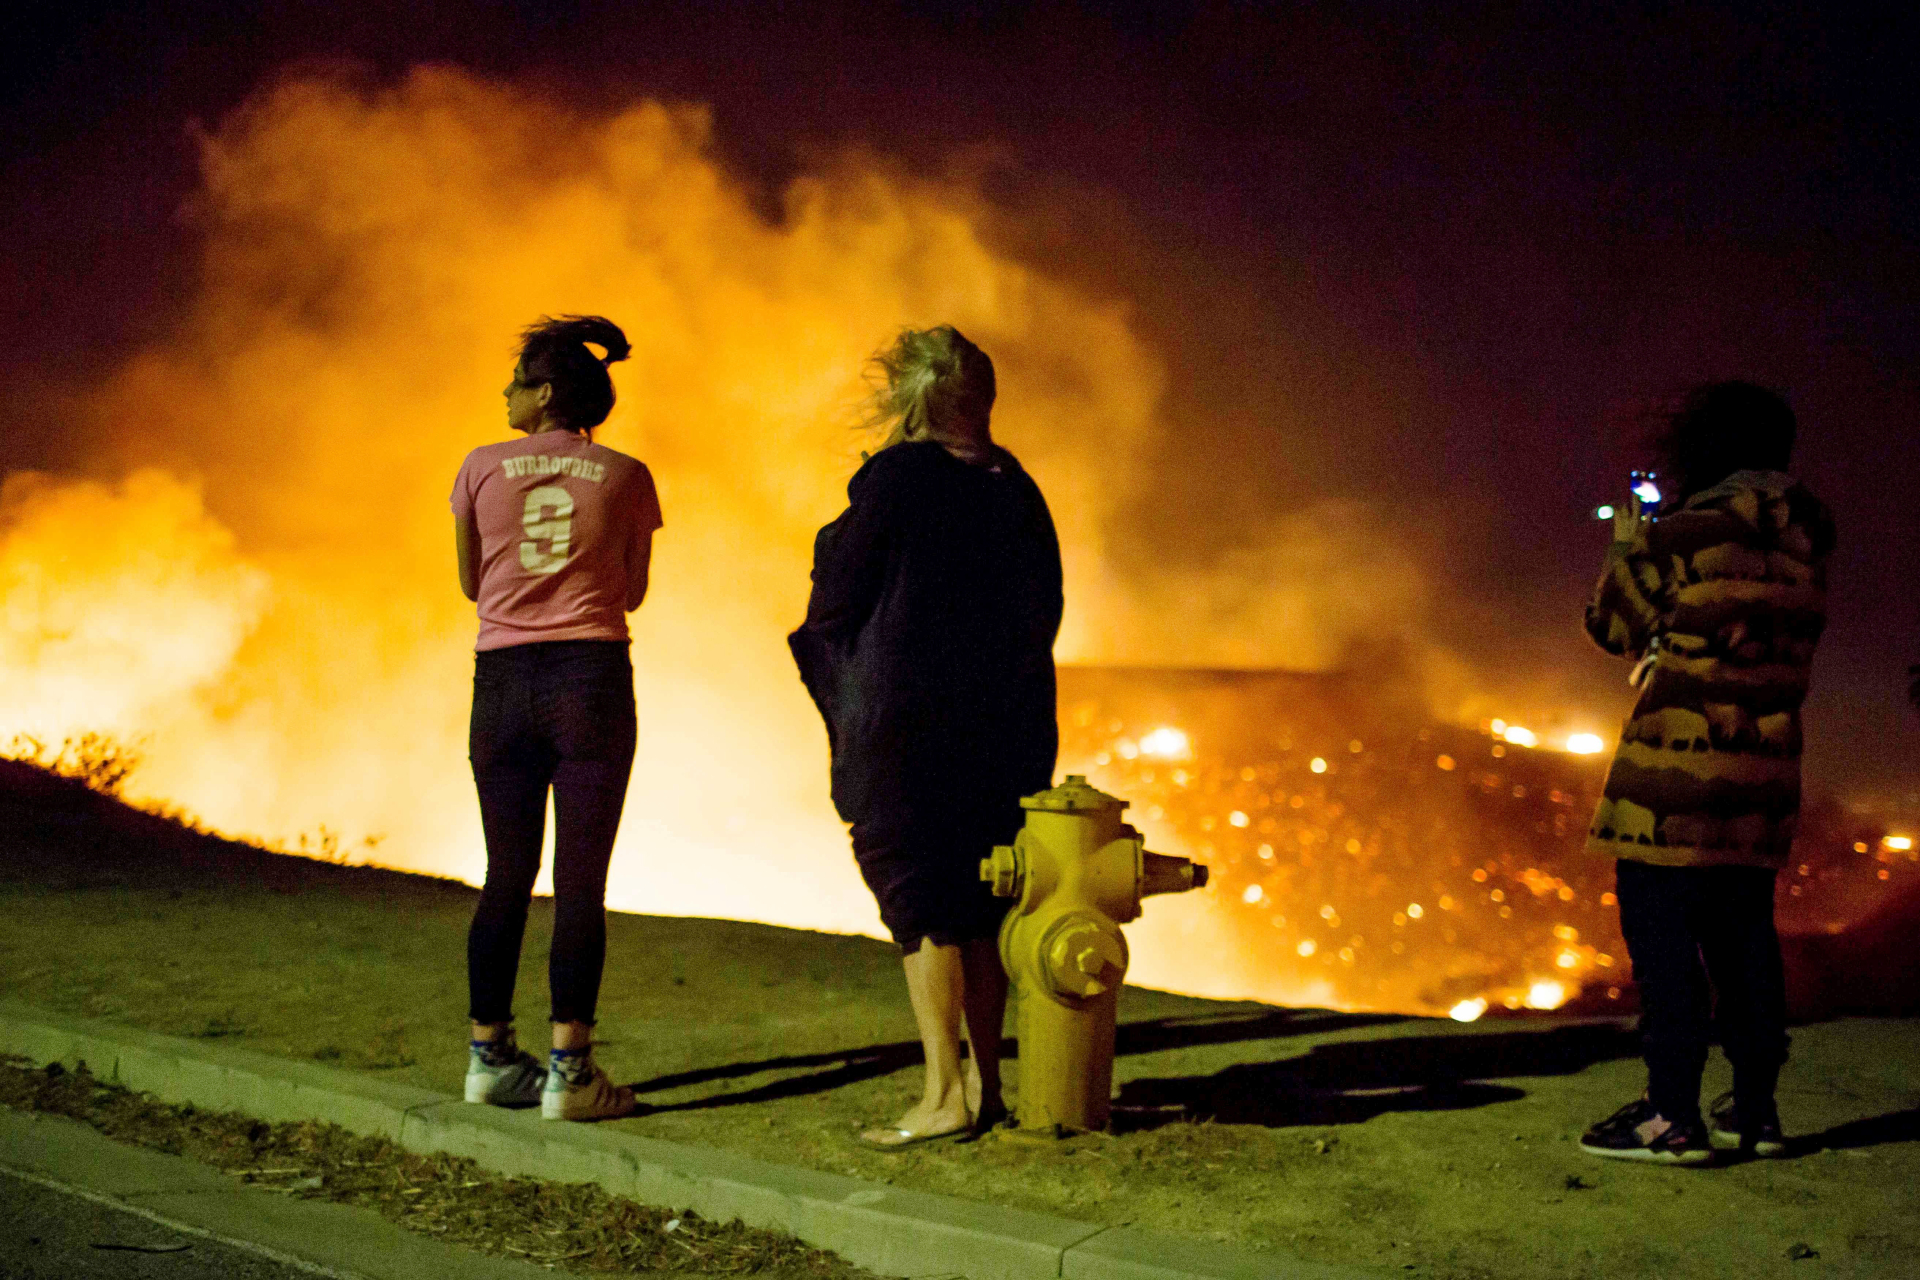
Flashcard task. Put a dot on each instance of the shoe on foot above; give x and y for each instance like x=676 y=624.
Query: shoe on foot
x=1638 y=1132
x=503 y=1074
x=1728 y=1130
x=584 y=1093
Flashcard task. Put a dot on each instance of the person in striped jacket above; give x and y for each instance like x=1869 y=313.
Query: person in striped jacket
x=1717 y=594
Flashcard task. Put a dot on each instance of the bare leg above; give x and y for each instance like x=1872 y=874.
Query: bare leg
x=935 y=985
x=488 y=1032
x=985 y=1002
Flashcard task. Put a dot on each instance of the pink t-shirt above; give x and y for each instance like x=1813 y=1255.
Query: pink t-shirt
x=560 y=521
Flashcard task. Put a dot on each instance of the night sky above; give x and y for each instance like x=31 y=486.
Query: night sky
x=1451 y=258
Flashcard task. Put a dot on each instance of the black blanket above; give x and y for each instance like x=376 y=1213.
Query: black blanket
x=928 y=644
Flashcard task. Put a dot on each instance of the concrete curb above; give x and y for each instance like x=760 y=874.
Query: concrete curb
x=883 y=1228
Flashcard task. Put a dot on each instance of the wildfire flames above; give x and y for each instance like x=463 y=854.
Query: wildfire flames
x=1365 y=857
x=252 y=582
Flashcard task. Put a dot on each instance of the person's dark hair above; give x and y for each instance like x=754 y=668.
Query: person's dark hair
x=554 y=352
x=1719 y=428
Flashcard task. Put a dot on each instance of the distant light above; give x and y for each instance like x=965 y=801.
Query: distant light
x=1126 y=749
x=1166 y=743
x=1443 y=763
x=1899 y=844
x=1236 y=819
x=1546 y=995
x=1585 y=744
x=1253 y=895
x=1468 y=1010
x=1415 y=911
x=1603 y=513
x=1317 y=765
x=1648 y=492
x=1568 y=959
x=1307 y=947
x=1356 y=746
x=1499 y=727
x=1521 y=737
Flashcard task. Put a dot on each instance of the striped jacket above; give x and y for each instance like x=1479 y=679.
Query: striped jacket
x=1729 y=591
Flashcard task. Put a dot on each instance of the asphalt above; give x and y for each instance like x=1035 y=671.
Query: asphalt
x=888 y=1230
x=78 y=1206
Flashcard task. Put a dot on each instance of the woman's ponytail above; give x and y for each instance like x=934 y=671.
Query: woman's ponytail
x=554 y=351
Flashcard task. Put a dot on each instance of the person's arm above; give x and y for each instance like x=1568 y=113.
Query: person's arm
x=850 y=559
x=849 y=572
x=1624 y=614
x=466 y=548
x=639 y=561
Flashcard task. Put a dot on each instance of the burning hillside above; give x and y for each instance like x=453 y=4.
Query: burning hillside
x=1366 y=857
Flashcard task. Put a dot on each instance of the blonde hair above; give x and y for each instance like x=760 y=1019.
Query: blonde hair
x=927 y=384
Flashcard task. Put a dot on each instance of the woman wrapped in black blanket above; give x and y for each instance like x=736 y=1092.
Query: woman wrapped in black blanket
x=928 y=647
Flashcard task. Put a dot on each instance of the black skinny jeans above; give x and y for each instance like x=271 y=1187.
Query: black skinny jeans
x=1686 y=927
x=555 y=714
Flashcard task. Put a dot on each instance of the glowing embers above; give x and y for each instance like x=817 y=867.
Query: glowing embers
x=1546 y=994
x=1166 y=743
x=1468 y=1010
x=1376 y=878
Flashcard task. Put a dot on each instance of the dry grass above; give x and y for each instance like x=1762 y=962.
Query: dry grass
x=577 y=1226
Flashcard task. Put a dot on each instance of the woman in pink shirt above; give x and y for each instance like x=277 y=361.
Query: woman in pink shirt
x=554 y=533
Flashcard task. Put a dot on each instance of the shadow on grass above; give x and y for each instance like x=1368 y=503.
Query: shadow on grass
x=1874 y=1131
x=838 y=1068
x=1352 y=1081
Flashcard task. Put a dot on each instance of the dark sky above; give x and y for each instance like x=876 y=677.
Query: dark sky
x=1466 y=244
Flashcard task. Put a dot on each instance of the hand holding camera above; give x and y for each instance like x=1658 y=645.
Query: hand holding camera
x=1630 y=520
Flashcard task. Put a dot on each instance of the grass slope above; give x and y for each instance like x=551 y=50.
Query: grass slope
x=1343 y=1138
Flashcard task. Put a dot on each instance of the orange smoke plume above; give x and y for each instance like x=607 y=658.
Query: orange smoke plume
x=261 y=589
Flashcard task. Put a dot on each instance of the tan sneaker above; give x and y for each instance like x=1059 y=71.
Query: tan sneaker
x=592 y=1097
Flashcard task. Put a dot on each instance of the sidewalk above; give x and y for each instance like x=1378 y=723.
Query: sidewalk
x=212 y=1225
x=883 y=1228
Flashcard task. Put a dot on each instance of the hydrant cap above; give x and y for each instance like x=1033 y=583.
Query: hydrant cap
x=1074 y=795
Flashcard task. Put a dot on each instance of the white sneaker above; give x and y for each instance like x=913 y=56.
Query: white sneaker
x=515 y=1083
x=591 y=1097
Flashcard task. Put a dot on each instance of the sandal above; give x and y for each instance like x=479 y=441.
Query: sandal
x=899 y=1139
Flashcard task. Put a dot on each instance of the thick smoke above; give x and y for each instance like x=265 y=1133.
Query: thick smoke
x=267 y=597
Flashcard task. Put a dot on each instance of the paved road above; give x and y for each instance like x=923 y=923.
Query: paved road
x=49 y=1234
x=64 y=1190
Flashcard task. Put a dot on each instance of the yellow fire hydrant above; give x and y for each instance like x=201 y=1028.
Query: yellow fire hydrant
x=1079 y=873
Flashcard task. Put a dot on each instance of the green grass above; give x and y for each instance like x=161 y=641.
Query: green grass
x=1371 y=1140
